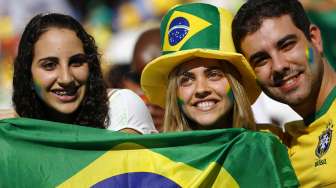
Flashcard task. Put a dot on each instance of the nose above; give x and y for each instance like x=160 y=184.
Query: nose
x=202 y=89
x=279 y=64
x=280 y=68
x=65 y=77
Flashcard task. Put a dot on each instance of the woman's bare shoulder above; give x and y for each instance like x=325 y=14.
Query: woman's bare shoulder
x=8 y=113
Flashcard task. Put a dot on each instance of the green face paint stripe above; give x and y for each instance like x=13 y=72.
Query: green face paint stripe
x=180 y=102
x=37 y=88
x=228 y=91
x=258 y=81
x=230 y=95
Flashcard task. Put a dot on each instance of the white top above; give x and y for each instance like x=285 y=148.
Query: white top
x=266 y=109
x=127 y=110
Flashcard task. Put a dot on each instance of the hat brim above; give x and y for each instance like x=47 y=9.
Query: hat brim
x=154 y=78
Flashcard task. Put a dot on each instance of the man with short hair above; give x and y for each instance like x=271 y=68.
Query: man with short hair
x=285 y=50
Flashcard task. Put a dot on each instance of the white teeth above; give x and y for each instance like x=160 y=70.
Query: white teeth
x=62 y=93
x=290 y=81
x=206 y=105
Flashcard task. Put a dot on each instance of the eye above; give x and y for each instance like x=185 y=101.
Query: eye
x=78 y=60
x=185 y=80
x=77 y=63
x=260 y=60
x=49 y=65
x=288 y=45
x=215 y=74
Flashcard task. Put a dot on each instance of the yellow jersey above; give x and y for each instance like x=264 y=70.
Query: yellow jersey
x=312 y=148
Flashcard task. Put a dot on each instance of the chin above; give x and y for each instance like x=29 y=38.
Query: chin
x=67 y=109
x=206 y=124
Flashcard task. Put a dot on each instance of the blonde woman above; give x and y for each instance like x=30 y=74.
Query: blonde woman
x=200 y=80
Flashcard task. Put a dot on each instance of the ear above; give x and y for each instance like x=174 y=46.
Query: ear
x=316 y=38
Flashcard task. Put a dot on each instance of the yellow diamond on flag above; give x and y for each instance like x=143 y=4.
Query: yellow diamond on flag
x=120 y=161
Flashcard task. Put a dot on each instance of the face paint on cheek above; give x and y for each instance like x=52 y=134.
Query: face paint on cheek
x=310 y=55
x=229 y=92
x=37 y=88
x=180 y=102
x=258 y=81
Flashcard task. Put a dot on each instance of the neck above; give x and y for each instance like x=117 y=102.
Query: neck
x=325 y=86
x=225 y=121
x=53 y=115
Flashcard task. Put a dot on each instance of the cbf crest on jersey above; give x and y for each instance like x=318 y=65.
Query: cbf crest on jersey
x=324 y=142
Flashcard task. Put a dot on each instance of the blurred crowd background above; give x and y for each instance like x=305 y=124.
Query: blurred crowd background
x=116 y=25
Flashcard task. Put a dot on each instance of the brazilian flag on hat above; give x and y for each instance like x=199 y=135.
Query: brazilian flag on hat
x=189 y=31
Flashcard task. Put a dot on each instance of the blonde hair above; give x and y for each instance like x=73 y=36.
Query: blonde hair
x=175 y=120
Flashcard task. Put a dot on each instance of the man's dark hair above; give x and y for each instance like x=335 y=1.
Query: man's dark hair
x=251 y=15
x=94 y=107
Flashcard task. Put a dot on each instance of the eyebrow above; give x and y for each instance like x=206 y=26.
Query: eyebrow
x=285 y=39
x=208 y=69
x=80 y=56
x=55 y=59
x=186 y=73
x=278 y=45
x=214 y=67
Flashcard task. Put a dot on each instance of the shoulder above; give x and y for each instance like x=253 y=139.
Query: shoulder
x=7 y=113
x=122 y=93
x=127 y=110
x=127 y=100
x=270 y=128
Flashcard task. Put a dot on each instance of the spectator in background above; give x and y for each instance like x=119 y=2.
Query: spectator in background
x=57 y=77
x=120 y=76
x=147 y=48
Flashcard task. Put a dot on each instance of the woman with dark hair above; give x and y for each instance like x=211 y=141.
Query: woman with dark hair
x=57 y=75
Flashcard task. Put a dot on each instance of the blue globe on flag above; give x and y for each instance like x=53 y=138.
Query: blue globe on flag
x=178 y=29
x=137 y=180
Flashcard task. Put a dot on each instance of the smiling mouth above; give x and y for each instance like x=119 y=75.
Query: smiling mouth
x=61 y=92
x=286 y=79
x=288 y=83
x=205 y=105
x=66 y=95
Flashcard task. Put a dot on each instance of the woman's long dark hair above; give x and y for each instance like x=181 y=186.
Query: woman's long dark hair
x=94 y=107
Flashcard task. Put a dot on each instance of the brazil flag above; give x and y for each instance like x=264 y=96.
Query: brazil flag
x=36 y=153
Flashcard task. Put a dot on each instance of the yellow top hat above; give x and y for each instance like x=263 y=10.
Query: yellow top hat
x=190 y=31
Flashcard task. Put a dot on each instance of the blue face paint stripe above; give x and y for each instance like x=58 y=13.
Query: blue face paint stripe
x=230 y=95
x=310 y=55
